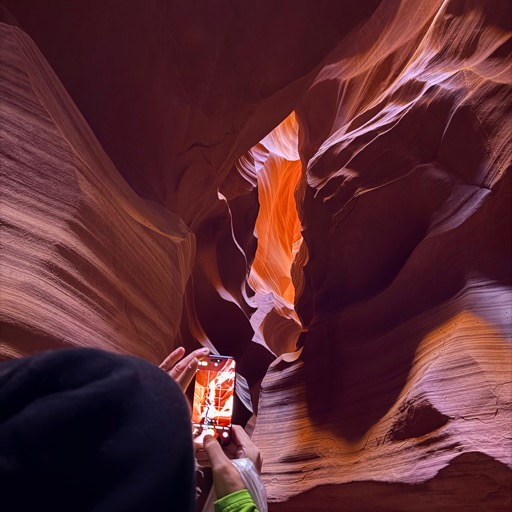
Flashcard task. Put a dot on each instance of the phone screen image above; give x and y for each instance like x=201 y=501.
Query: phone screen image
x=213 y=398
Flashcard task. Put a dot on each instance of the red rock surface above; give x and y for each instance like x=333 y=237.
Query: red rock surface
x=85 y=260
x=364 y=242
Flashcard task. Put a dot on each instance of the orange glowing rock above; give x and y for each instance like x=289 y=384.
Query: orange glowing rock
x=278 y=230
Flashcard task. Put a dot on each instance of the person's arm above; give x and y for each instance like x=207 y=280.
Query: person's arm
x=239 y=501
x=229 y=487
x=231 y=492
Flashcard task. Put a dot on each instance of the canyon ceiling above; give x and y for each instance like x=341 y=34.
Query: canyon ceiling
x=320 y=189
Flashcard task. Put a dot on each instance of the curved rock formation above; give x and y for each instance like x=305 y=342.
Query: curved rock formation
x=322 y=187
x=85 y=260
x=405 y=294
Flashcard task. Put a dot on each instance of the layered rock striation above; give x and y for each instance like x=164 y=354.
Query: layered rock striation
x=85 y=260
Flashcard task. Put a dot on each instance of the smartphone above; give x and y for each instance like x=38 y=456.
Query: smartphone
x=214 y=391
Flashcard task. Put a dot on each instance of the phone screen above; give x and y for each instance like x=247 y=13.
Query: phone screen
x=213 y=398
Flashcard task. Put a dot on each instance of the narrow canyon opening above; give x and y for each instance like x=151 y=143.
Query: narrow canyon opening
x=278 y=232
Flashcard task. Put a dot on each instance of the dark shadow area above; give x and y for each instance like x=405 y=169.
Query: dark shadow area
x=146 y=81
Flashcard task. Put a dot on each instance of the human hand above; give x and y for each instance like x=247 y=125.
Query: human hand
x=183 y=371
x=240 y=446
x=226 y=478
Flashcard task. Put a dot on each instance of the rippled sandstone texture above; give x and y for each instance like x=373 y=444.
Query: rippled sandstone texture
x=363 y=246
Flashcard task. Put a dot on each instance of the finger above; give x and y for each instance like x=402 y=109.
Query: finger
x=245 y=446
x=178 y=368
x=172 y=359
x=200 y=352
x=202 y=458
x=185 y=376
x=242 y=439
x=214 y=452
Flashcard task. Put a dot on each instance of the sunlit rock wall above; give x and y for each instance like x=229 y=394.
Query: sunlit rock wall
x=344 y=170
x=85 y=260
x=404 y=371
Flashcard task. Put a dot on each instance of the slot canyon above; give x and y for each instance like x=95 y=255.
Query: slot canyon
x=320 y=189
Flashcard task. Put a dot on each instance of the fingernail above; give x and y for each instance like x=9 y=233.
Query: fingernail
x=193 y=363
x=205 y=350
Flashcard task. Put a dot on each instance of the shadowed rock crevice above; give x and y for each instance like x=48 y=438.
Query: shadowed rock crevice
x=416 y=418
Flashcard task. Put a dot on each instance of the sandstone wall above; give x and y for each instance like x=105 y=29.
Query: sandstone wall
x=322 y=187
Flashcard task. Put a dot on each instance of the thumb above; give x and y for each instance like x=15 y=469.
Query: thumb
x=215 y=452
x=226 y=478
